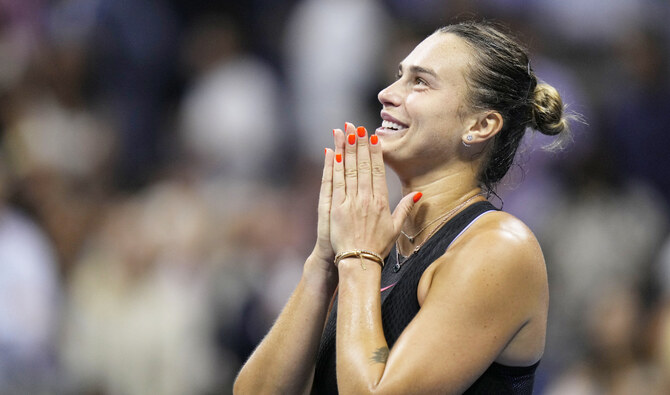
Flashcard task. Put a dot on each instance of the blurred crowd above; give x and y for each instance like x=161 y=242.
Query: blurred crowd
x=160 y=164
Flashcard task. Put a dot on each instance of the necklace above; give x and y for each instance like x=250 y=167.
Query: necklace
x=444 y=217
x=447 y=214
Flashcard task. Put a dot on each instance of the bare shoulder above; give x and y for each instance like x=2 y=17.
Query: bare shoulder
x=499 y=253
x=502 y=238
x=493 y=277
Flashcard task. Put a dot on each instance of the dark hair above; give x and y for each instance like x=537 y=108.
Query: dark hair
x=501 y=79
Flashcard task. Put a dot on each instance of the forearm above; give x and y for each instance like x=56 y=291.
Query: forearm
x=361 y=346
x=284 y=361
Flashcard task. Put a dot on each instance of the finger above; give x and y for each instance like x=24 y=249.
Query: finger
x=323 y=247
x=339 y=187
x=326 y=194
x=377 y=167
x=403 y=209
x=363 y=156
x=350 y=170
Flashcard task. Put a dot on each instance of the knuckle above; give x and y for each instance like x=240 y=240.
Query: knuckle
x=350 y=172
x=378 y=170
x=379 y=203
x=338 y=184
x=364 y=166
x=363 y=199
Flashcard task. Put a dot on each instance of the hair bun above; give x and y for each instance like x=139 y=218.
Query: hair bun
x=548 y=115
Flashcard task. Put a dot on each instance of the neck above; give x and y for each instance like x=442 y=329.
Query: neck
x=441 y=194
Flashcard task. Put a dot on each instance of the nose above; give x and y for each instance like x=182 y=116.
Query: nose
x=389 y=96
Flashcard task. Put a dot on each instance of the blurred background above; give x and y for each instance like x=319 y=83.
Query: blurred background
x=160 y=163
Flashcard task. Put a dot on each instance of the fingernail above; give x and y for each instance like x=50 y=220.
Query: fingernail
x=333 y=132
x=352 y=138
x=374 y=139
x=325 y=151
x=417 y=196
x=338 y=158
x=345 y=127
x=361 y=131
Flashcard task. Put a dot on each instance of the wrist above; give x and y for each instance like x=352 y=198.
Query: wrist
x=364 y=257
x=352 y=274
x=355 y=267
x=320 y=274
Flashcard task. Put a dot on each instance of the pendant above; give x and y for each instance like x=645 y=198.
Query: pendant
x=396 y=268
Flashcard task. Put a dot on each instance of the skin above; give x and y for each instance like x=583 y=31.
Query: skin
x=484 y=300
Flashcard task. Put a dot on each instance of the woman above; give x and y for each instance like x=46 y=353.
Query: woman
x=463 y=301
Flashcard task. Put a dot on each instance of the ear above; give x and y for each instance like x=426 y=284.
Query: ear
x=484 y=128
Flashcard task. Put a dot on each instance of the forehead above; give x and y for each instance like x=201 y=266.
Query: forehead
x=445 y=53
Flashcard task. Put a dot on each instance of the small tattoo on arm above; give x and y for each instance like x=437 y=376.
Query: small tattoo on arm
x=380 y=355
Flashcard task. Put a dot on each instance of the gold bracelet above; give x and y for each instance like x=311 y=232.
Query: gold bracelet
x=360 y=254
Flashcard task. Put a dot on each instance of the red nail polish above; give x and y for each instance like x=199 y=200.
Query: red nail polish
x=345 y=127
x=333 y=132
x=374 y=139
x=338 y=158
x=417 y=196
x=352 y=139
x=325 y=151
x=361 y=131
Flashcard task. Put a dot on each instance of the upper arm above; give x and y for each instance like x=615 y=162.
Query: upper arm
x=482 y=293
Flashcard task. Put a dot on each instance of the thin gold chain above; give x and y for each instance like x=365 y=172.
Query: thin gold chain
x=448 y=213
x=444 y=217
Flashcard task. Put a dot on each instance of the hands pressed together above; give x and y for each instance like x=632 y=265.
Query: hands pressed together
x=354 y=211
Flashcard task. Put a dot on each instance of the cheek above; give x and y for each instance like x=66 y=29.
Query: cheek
x=412 y=103
x=434 y=115
x=422 y=111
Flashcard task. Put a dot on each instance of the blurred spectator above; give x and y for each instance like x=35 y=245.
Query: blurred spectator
x=138 y=321
x=637 y=112
x=267 y=235
x=19 y=38
x=613 y=363
x=30 y=292
x=601 y=229
x=133 y=50
x=58 y=149
x=231 y=115
x=333 y=50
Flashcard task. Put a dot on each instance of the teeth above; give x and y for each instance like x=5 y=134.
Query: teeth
x=391 y=125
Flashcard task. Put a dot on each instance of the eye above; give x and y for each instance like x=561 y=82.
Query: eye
x=420 y=81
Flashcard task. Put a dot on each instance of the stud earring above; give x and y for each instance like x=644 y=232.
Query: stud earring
x=469 y=138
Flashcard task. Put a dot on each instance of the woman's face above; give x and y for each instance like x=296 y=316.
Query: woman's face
x=424 y=112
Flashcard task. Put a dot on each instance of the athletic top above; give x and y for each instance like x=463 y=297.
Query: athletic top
x=400 y=304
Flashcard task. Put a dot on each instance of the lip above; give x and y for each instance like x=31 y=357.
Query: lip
x=387 y=117
x=382 y=131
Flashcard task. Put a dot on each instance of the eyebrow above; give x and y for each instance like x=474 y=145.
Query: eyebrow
x=419 y=70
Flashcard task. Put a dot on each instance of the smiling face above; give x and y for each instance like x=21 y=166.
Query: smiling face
x=424 y=111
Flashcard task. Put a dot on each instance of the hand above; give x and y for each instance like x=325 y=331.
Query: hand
x=323 y=250
x=360 y=217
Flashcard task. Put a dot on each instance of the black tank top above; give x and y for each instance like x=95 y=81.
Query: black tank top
x=400 y=304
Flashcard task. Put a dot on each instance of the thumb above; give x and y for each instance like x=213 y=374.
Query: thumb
x=403 y=209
